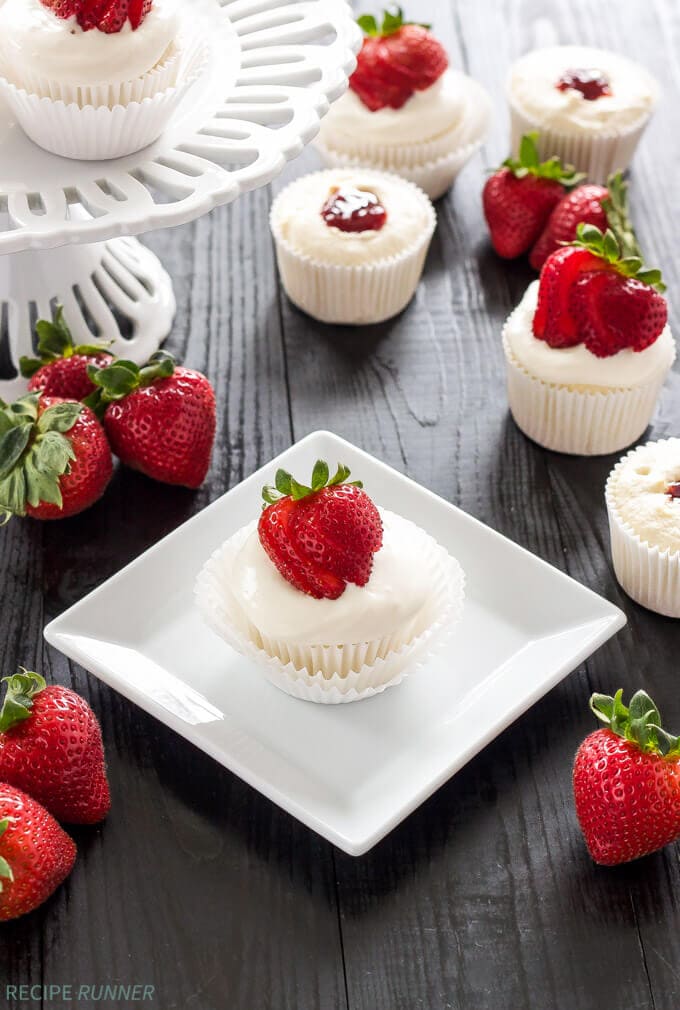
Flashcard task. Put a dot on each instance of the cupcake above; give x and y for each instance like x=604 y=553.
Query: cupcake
x=93 y=81
x=351 y=243
x=406 y=110
x=334 y=598
x=590 y=106
x=643 y=504
x=588 y=348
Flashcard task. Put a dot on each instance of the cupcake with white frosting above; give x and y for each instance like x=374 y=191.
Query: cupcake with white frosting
x=94 y=81
x=333 y=598
x=643 y=504
x=351 y=243
x=588 y=349
x=590 y=106
x=406 y=110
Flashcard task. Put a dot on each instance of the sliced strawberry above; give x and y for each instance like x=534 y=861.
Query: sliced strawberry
x=519 y=198
x=554 y=320
x=615 y=312
x=397 y=59
x=109 y=16
x=63 y=8
x=320 y=537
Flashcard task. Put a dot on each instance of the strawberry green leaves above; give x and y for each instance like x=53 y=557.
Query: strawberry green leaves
x=529 y=163
x=34 y=453
x=285 y=484
x=116 y=381
x=393 y=20
x=615 y=207
x=639 y=722
x=5 y=868
x=55 y=341
x=21 y=689
x=607 y=246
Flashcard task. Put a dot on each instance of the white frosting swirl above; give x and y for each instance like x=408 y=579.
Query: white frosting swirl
x=577 y=366
x=637 y=490
x=398 y=590
x=34 y=41
x=297 y=220
x=532 y=88
x=425 y=116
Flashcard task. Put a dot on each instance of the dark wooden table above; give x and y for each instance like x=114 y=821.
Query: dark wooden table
x=485 y=898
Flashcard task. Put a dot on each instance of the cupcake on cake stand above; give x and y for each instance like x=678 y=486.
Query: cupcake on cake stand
x=265 y=75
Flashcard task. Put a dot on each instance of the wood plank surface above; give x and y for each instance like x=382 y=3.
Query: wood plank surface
x=485 y=898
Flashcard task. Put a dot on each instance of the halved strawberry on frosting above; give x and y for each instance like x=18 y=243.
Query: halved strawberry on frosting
x=109 y=16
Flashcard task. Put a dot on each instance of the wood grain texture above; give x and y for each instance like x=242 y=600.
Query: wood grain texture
x=485 y=897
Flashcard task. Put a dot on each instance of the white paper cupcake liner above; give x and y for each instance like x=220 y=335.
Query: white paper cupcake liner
x=582 y=422
x=647 y=574
x=334 y=674
x=432 y=165
x=101 y=133
x=351 y=295
x=597 y=155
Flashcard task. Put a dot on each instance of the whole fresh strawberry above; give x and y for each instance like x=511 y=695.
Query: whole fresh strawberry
x=61 y=368
x=397 y=59
x=159 y=419
x=323 y=536
x=108 y=16
x=51 y=747
x=627 y=781
x=602 y=206
x=590 y=294
x=55 y=460
x=36 y=855
x=520 y=196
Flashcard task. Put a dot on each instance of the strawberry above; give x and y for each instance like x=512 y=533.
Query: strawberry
x=54 y=458
x=61 y=369
x=589 y=294
x=36 y=855
x=603 y=206
x=396 y=59
x=627 y=781
x=159 y=419
x=51 y=747
x=320 y=537
x=108 y=16
x=520 y=196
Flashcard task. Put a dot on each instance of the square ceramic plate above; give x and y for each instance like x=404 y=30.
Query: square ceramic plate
x=350 y=772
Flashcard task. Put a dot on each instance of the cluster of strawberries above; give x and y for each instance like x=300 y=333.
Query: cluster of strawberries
x=52 y=769
x=594 y=288
x=56 y=442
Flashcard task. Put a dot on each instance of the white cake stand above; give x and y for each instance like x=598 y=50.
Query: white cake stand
x=65 y=225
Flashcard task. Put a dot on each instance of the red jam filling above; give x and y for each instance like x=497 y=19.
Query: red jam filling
x=591 y=82
x=350 y=209
x=673 y=490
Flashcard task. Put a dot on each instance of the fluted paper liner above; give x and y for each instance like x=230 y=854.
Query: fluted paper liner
x=351 y=295
x=101 y=132
x=340 y=672
x=432 y=165
x=649 y=575
x=598 y=155
x=582 y=422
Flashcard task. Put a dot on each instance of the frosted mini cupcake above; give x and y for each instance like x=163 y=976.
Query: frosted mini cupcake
x=588 y=349
x=406 y=111
x=351 y=243
x=333 y=598
x=590 y=106
x=643 y=504
x=94 y=85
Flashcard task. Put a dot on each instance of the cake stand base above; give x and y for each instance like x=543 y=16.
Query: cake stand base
x=115 y=290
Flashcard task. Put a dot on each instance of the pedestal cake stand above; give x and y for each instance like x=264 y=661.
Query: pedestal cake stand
x=66 y=226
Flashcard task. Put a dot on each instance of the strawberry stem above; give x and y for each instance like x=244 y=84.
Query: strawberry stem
x=639 y=722
x=55 y=341
x=393 y=20
x=286 y=486
x=22 y=688
x=528 y=163
x=116 y=381
x=615 y=207
x=607 y=247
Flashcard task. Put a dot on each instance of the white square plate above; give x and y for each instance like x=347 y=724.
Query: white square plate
x=350 y=772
